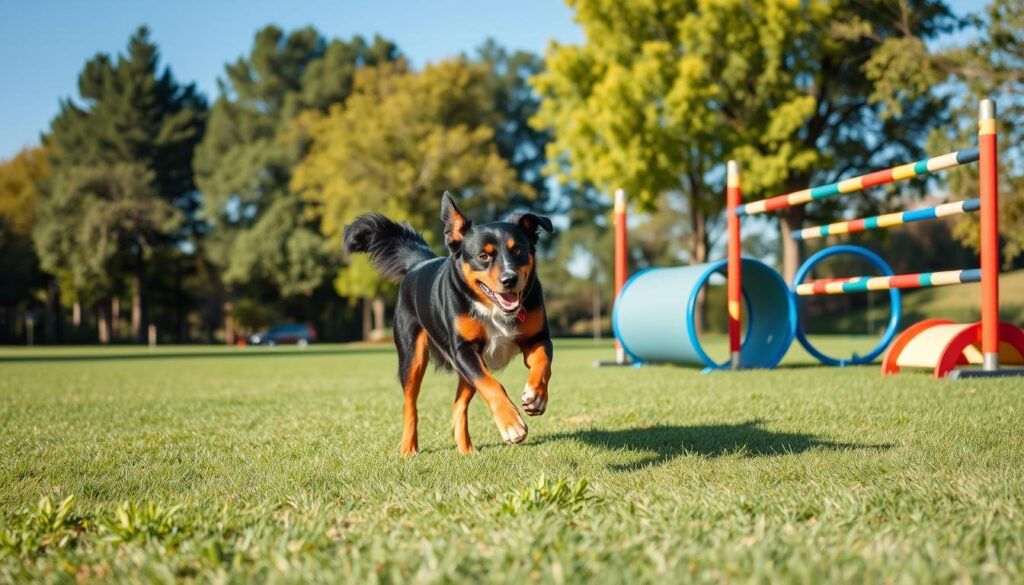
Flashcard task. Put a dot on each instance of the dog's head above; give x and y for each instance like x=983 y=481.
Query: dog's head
x=496 y=260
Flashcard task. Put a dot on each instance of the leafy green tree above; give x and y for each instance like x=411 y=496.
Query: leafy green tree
x=989 y=66
x=118 y=220
x=18 y=264
x=260 y=231
x=663 y=92
x=400 y=140
x=21 y=180
x=125 y=147
x=514 y=104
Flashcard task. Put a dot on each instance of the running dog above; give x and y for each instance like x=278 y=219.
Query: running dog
x=470 y=312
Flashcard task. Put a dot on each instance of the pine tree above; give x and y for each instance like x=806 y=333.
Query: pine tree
x=122 y=186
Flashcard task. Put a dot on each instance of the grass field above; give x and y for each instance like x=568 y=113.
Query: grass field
x=281 y=465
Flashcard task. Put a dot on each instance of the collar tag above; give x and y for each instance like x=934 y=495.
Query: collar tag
x=521 y=315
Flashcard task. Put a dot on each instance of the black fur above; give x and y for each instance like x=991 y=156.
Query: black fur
x=394 y=248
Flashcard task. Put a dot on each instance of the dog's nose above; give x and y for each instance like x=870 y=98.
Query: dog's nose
x=508 y=279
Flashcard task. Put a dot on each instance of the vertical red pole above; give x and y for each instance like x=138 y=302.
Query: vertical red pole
x=733 y=286
x=989 y=170
x=619 y=219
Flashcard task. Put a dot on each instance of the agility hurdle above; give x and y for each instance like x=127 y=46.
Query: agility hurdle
x=937 y=345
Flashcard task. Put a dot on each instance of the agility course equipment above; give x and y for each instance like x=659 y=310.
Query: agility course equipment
x=932 y=344
x=652 y=325
x=830 y=286
x=888 y=220
x=621 y=270
x=941 y=346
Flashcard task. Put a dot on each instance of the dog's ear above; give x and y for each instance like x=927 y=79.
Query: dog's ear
x=531 y=224
x=456 y=226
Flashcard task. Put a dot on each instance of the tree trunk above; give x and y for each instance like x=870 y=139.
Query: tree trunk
x=137 y=307
x=367 y=320
x=699 y=255
x=378 y=314
x=52 y=325
x=103 y=327
x=115 y=317
x=791 y=220
x=179 y=322
x=76 y=315
x=229 y=323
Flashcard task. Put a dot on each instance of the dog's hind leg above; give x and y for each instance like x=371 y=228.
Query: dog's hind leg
x=413 y=356
x=460 y=416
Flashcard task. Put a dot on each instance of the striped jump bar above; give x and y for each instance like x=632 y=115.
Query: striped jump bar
x=837 y=286
x=885 y=176
x=888 y=220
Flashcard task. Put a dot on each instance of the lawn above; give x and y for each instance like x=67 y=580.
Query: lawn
x=281 y=465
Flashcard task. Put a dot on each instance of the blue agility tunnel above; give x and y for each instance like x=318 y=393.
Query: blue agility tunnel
x=653 y=317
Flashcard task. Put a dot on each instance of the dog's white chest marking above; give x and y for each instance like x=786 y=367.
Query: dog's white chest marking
x=502 y=331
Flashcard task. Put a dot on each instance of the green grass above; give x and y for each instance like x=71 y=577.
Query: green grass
x=239 y=465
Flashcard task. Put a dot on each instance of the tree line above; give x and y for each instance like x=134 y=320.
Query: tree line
x=148 y=205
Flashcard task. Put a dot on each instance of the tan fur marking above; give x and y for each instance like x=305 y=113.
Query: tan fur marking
x=470 y=329
x=510 y=243
x=457 y=223
x=489 y=248
x=460 y=416
x=533 y=324
x=472 y=276
x=491 y=390
x=536 y=359
x=410 y=441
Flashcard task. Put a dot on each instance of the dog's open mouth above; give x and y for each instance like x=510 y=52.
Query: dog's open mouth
x=506 y=301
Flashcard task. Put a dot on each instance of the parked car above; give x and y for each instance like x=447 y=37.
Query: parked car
x=297 y=333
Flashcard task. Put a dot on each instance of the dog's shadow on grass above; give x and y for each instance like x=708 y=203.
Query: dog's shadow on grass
x=662 y=444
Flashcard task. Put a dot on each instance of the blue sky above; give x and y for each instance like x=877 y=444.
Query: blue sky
x=44 y=42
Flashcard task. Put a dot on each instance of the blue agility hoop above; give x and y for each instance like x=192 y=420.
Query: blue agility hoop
x=895 y=306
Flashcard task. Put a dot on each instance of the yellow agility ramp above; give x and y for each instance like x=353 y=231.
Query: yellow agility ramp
x=941 y=346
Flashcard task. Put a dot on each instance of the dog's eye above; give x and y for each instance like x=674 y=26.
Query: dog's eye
x=517 y=251
x=484 y=257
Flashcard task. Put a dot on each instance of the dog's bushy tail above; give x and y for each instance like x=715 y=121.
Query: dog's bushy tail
x=394 y=248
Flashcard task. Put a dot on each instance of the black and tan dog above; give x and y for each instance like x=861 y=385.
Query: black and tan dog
x=471 y=312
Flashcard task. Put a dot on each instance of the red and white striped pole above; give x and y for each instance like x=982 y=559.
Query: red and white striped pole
x=619 y=220
x=988 y=171
x=734 y=286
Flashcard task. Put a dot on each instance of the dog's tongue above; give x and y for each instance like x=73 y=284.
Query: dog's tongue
x=508 y=300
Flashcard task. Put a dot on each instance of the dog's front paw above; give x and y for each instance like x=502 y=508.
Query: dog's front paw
x=534 y=402
x=511 y=426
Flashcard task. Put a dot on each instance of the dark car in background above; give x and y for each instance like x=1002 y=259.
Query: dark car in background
x=291 y=333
